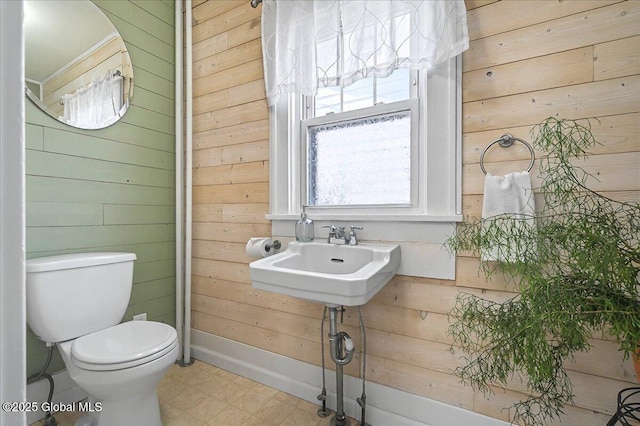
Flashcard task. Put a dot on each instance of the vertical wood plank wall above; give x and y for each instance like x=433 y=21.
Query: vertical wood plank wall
x=113 y=189
x=527 y=61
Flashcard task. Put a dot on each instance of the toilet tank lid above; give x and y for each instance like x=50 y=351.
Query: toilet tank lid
x=76 y=260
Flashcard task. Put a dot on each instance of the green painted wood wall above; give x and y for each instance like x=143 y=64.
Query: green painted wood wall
x=113 y=189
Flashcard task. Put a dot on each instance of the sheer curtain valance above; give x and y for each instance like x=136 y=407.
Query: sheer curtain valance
x=317 y=43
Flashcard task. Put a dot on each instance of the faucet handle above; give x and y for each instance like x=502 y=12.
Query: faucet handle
x=353 y=238
x=332 y=232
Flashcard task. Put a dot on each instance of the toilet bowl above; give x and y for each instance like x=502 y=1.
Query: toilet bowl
x=121 y=367
x=77 y=301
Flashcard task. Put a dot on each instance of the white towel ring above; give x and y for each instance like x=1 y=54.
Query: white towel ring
x=506 y=141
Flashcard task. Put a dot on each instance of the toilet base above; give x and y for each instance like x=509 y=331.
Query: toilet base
x=127 y=396
x=132 y=411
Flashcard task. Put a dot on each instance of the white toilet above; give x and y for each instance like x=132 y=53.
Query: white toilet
x=77 y=302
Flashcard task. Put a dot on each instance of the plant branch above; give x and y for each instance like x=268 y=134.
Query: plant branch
x=577 y=271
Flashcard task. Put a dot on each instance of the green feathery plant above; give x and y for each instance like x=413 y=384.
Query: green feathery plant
x=577 y=273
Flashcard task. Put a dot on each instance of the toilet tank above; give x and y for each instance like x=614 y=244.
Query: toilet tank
x=76 y=294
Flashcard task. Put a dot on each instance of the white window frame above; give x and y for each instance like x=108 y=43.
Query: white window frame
x=439 y=175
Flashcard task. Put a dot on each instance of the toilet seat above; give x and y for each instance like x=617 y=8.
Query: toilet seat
x=125 y=345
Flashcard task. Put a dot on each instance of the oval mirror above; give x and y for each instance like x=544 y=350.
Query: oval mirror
x=77 y=67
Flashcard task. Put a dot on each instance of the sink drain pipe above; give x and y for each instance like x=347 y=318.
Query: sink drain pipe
x=341 y=343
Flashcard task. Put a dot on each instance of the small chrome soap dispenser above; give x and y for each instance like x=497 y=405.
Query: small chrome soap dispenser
x=304 y=227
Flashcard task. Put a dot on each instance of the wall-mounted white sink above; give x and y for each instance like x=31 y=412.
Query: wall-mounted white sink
x=328 y=273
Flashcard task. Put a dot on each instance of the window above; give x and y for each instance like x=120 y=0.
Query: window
x=373 y=124
x=377 y=150
x=363 y=160
x=387 y=149
x=383 y=153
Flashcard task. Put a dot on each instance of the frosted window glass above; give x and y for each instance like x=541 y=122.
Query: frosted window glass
x=365 y=161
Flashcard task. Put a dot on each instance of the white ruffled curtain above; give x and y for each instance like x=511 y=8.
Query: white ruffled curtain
x=96 y=105
x=318 y=43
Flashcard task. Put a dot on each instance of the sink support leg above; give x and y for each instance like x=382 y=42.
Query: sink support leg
x=340 y=343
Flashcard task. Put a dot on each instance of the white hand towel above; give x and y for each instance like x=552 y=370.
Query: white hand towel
x=507 y=195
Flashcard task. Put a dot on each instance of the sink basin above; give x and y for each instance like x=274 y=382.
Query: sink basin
x=327 y=273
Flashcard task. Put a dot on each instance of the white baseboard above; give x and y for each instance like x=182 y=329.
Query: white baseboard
x=65 y=391
x=385 y=405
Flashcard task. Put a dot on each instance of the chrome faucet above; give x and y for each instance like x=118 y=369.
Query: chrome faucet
x=333 y=237
x=338 y=235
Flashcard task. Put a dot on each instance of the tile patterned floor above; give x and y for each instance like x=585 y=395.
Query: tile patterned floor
x=204 y=395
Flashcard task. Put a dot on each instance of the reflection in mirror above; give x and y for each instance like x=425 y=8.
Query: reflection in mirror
x=77 y=66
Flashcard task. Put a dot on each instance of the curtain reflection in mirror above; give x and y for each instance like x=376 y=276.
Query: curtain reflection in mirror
x=96 y=105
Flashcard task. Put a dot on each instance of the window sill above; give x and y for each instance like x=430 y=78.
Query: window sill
x=369 y=217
